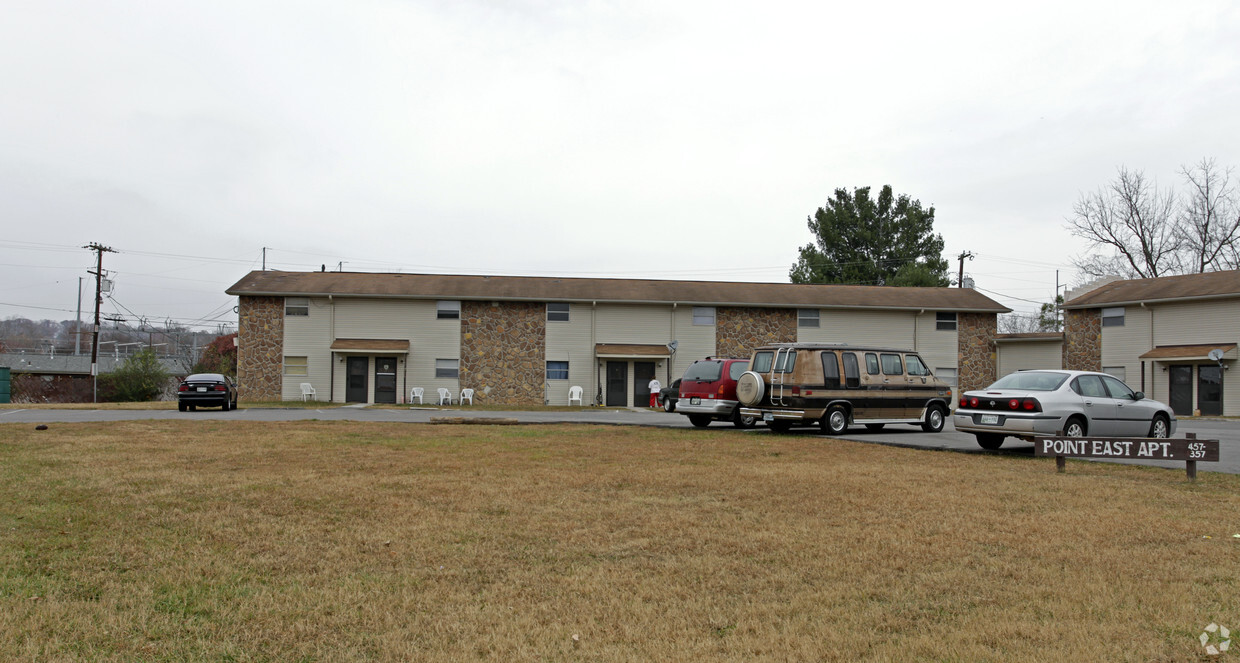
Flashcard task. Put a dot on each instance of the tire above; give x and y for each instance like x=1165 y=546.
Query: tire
x=699 y=420
x=1076 y=427
x=193 y=408
x=874 y=428
x=741 y=421
x=934 y=419
x=989 y=441
x=750 y=388
x=835 y=421
x=669 y=404
x=778 y=426
x=1160 y=427
x=224 y=407
x=181 y=407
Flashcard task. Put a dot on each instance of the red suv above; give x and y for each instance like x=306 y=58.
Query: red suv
x=708 y=392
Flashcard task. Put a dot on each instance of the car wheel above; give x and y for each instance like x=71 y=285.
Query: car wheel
x=669 y=405
x=224 y=407
x=1160 y=427
x=193 y=408
x=835 y=421
x=934 y=420
x=741 y=421
x=699 y=420
x=874 y=428
x=181 y=407
x=778 y=426
x=990 y=441
x=1075 y=427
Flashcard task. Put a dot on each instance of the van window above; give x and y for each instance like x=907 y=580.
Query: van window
x=706 y=371
x=852 y=373
x=915 y=367
x=737 y=368
x=871 y=363
x=785 y=362
x=830 y=370
x=892 y=365
x=762 y=362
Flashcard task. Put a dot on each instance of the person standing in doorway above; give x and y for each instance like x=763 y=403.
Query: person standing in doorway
x=654 y=387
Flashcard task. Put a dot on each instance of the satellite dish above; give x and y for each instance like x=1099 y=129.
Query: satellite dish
x=1216 y=355
x=672 y=346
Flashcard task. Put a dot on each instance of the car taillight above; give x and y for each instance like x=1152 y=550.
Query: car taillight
x=1031 y=405
x=219 y=387
x=973 y=402
x=796 y=391
x=183 y=387
x=1014 y=404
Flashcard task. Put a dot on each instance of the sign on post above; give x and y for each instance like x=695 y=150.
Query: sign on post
x=1188 y=449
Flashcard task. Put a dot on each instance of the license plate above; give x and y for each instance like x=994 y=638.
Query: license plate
x=202 y=389
x=695 y=401
x=768 y=416
x=990 y=419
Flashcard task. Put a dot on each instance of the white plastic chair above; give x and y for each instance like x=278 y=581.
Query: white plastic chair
x=574 y=394
x=416 y=393
x=307 y=391
x=467 y=395
x=445 y=395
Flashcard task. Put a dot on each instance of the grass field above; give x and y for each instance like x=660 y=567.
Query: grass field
x=334 y=541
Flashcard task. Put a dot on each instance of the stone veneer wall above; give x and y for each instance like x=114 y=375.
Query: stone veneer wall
x=739 y=330
x=260 y=349
x=503 y=351
x=1082 y=340
x=976 y=354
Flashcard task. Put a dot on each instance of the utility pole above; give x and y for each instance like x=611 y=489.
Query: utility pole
x=962 y=256
x=99 y=250
x=77 y=335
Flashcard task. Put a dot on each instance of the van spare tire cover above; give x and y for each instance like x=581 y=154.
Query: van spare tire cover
x=750 y=388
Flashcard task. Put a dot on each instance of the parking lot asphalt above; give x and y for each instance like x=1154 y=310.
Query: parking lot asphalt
x=1226 y=431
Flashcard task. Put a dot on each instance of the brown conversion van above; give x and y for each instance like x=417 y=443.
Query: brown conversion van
x=833 y=386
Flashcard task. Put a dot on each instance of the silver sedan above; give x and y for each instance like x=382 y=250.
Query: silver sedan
x=1070 y=403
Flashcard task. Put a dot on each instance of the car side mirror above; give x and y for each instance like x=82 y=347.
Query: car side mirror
x=1138 y=395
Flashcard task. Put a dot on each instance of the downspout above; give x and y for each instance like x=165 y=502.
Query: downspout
x=594 y=365
x=331 y=337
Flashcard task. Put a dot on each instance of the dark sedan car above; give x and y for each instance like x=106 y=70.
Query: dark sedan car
x=207 y=389
x=669 y=395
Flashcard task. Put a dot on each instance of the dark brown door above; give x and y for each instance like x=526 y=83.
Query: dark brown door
x=355 y=379
x=1210 y=390
x=617 y=383
x=643 y=371
x=385 y=379
x=1181 y=379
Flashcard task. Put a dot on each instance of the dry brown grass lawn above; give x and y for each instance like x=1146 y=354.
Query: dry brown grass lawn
x=337 y=541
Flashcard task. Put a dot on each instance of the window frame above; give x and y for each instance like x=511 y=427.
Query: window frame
x=556 y=372
x=809 y=318
x=704 y=316
x=1110 y=318
x=559 y=312
x=443 y=311
x=830 y=370
x=946 y=321
x=298 y=307
x=304 y=365
x=882 y=359
x=445 y=371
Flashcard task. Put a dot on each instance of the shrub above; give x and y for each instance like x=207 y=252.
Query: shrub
x=140 y=378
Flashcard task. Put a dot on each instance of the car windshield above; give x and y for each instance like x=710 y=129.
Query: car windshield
x=1030 y=381
x=707 y=371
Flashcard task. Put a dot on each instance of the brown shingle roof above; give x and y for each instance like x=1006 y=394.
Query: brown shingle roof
x=537 y=288
x=1198 y=351
x=1211 y=285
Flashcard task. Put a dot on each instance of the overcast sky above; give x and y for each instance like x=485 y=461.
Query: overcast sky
x=685 y=140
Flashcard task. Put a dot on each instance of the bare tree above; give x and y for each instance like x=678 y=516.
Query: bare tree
x=1209 y=219
x=1135 y=220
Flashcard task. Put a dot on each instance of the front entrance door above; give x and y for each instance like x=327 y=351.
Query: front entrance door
x=385 y=379
x=617 y=383
x=1181 y=389
x=643 y=371
x=1210 y=390
x=355 y=379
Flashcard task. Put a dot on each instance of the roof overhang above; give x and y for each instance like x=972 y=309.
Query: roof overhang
x=370 y=346
x=1036 y=337
x=616 y=351
x=1190 y=352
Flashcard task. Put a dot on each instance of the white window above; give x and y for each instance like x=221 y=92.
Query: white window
x=703 y=315
x=945 y=321
x=447 y=368
x=947 y=375
x=448 y=309
x=1113 y=317
x=296 y=366
x=1118 y=371
x=807 y=317
x=557 y=311
x=296 y=306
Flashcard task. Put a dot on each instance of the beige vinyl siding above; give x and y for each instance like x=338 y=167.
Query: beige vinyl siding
x=572 y=342
x=309 y=336
x=1022 y=355
x=1121 y=346
x=693 y=342
x=413 y=320
x=636 y=323
x=1193 y=323
x=856 y=327
x=938 y=347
